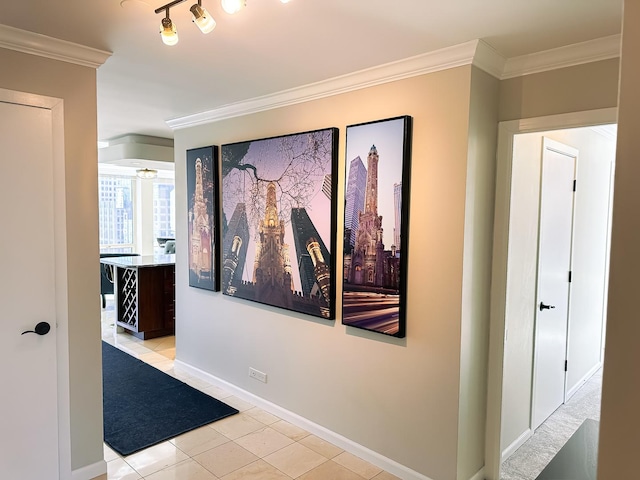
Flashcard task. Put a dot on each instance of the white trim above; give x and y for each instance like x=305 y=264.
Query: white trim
x=517 y=443
x=90 y=471
x=497 y=333
x=31 y=99
x=35 y=44
x=489 y=60
x=346 y=444
x=580 y=383
x=438 y=60
x=507 y=130
x=589 y=118
x=62 y=289
x=607 y=132
x=590 y=51
x=479 y=475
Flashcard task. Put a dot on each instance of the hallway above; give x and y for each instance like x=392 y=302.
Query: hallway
x=532 y=457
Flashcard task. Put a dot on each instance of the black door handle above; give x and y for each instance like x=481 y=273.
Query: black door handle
x=546 y=307
x=41 y=329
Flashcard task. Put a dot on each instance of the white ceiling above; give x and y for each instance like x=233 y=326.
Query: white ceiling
x=269 y=46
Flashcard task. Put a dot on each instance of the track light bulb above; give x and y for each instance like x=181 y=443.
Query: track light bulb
x=168 y=32
x=232 y=6
x=202 y=18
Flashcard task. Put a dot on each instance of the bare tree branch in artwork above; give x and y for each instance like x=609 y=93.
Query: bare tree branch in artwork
x=295 y=163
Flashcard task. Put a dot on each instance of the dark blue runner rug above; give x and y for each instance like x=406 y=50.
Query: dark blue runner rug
x=144 y=406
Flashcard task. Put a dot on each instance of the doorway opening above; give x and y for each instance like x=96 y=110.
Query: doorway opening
x=518 y=369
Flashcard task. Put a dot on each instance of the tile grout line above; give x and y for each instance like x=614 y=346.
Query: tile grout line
x=129 y=345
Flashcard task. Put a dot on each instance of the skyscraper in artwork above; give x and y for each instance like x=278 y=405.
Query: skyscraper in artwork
x=354 y=200
x=397 y=213
x=200 y=254
x=312 y=256
x=272 y=265
x=234 y=248
x=326 y=186
x=367 y=259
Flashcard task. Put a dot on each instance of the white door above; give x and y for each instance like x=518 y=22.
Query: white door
x=28 y=402
x=554 y=265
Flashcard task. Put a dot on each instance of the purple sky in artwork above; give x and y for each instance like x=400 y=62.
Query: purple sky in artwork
x=388 y=137
x=270 y=161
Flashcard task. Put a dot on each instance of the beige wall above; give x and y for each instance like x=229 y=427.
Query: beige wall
x=584 y=87
x=619 y=432
x=398 y=397
x=76 y=85
x=479 y=206
x=454 y=308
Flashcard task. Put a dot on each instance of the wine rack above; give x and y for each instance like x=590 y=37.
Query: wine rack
x=145 y=300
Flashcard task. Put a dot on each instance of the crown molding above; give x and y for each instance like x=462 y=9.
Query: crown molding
x=570 y=55
x=443 y=59
x=49 y=47
x=475 y=52
x=488 y=59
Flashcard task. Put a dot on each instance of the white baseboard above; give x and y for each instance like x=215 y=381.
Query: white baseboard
x=517 y=443
x=346 y=444
x=582 y=381
x=90 y=471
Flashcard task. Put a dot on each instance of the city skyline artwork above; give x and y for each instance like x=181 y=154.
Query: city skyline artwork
x=375 y=226
x=278 y=222
x=202 y=197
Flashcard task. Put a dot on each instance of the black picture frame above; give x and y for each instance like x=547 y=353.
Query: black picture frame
x=279 y=222
x=376 y=225
x=202 y=217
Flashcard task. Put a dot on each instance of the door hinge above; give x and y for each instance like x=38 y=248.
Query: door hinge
x=570 y=273
x=574 y=185
x=565 y=365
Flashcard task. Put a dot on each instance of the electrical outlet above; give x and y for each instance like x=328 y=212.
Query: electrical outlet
x=258 y=375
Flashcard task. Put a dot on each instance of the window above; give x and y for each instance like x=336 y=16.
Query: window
x=134 y=212
x=164 y=209
x=115 y=197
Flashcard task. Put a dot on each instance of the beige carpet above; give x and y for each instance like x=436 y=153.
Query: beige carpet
x=530 y=459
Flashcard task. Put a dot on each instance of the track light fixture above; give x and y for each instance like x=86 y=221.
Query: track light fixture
x=168 y=31
x=200 y=17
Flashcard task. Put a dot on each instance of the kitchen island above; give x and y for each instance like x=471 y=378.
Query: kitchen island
x=144 y=289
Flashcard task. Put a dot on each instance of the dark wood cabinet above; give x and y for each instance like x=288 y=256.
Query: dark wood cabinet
x=145 y=295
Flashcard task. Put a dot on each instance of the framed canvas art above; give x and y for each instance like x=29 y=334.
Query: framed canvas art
x=202 y=201
x=378 y=158
x=279 y=221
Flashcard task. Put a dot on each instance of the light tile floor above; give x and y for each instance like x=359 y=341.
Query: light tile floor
x=252 y=445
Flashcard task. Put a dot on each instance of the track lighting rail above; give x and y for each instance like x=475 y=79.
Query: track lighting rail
x=200 y=17
x=168 y=6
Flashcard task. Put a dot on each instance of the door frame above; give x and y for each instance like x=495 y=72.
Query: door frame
x=56 y=106
x=506 y=132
